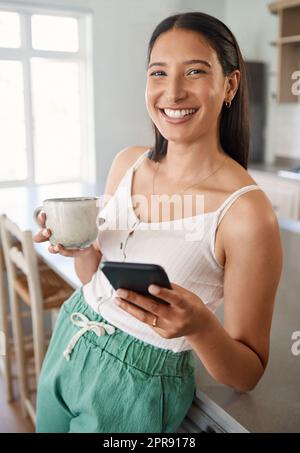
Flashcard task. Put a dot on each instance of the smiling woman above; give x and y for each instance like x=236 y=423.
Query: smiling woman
x=136 y=374
x=220 y=71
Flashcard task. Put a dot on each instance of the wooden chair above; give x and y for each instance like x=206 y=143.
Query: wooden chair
x=40 y=289
x=4 y=327
x=7 y=362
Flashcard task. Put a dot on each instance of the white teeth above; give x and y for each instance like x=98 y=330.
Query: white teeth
x=178 y=113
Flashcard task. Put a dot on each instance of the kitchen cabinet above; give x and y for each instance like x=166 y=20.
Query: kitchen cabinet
x=288 y=43
x=283 y=194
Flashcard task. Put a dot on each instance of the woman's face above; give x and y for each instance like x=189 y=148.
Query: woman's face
x=185 y=87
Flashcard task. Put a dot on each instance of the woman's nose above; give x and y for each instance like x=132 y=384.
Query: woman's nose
x=175 y=90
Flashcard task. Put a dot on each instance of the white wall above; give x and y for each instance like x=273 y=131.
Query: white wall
x=122 y=29
x=255 y=28
x=121 y=40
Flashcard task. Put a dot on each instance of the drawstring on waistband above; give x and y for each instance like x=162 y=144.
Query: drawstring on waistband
x=80 y=320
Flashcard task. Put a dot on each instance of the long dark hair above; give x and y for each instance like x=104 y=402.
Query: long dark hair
x=234 y=122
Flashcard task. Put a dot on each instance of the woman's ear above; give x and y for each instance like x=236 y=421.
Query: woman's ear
x=232 y=84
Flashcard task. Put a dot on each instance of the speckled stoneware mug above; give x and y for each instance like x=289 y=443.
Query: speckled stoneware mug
x=72 y=221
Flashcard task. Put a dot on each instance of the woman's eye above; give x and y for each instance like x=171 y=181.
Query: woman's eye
x=191 y=72
x=197 y=71
x=157 y=73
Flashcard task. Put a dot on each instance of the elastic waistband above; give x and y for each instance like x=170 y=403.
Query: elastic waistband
x=131 y=350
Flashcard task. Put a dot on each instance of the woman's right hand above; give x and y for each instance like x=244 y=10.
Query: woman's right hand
x=44 y=234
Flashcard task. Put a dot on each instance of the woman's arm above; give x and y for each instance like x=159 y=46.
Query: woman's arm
x=237 y=354
x=87 y=264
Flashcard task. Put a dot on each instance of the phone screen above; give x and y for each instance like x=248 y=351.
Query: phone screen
x=136 y=276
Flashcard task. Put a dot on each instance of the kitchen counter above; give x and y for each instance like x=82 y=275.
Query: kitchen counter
x=267 y=168
x=274 y=405
x=18 y=203
x=276 y=169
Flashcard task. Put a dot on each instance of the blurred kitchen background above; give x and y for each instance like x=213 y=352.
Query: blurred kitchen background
x=72 y=84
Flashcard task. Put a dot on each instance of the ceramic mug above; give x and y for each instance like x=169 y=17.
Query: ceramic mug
x=72 y=221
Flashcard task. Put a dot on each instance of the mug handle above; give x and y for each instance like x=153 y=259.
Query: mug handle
x=36 y=213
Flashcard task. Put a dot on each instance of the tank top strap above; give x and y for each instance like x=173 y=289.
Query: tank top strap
x=221 y=211
x=127 y=178
x=139 y=160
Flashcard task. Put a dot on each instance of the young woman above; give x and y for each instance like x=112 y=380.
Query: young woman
x=131 y=368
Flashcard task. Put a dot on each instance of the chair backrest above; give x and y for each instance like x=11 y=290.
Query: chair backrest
x=26 y=261
x=3 y=304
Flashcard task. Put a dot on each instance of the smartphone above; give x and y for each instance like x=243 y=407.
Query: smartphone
x=136 y=277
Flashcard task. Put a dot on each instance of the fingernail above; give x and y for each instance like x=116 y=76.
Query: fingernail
x=122 y=293
x=56 y=248
x=45 y=232
x=153 y=289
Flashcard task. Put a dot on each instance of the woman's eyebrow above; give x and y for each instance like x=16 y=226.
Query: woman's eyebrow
x=195 y=61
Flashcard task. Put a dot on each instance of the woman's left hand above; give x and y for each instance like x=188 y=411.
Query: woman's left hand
x=183 y=316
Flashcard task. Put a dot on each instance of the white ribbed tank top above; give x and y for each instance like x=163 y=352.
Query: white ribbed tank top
x=183 y=247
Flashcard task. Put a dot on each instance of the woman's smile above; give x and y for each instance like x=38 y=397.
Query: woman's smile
x=177 y=116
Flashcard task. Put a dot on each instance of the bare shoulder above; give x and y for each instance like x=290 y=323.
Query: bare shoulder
x=236 y=176
x=250 y=221
x=121 y=162
x=127 y=156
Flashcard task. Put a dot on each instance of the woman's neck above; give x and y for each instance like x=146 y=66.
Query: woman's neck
x=187 y=162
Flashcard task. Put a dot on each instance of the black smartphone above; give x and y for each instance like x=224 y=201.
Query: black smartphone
x=136 y=277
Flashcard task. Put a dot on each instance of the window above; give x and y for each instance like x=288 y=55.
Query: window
x=9 y=29
x=45 y=96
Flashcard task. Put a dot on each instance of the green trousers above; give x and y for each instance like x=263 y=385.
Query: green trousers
x=106 y=381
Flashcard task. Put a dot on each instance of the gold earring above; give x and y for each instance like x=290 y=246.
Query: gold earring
x=228 y=104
